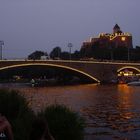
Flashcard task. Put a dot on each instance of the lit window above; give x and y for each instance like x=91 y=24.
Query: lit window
x=123 y=38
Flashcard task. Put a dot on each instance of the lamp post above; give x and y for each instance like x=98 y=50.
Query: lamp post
x=1 y=44
x=69 y=46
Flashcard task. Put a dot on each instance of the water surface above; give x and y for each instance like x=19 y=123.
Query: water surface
x=112 y=112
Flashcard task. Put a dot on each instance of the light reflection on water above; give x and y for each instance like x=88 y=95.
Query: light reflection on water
x=111 y=111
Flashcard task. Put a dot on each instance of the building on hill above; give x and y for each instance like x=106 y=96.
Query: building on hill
x=116 y=39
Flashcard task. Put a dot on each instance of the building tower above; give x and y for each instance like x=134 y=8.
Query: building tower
x=117 y=29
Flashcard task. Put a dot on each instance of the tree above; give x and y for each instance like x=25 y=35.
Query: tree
x=55 y=53
x=36 y=55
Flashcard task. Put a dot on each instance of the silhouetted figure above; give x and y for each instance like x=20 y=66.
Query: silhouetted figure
x=40 y=130
x=5 y=129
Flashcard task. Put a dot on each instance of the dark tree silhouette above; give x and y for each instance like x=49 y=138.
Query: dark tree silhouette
x=55 y=53
x=36 y=55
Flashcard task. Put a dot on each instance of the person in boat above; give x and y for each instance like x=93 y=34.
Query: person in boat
x=5 y=129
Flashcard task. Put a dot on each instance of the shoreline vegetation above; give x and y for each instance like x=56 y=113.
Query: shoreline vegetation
x=63 y=122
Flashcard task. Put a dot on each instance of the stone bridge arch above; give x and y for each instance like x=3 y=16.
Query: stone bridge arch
x=128 y=73
x=128 y=67
x=94 y=79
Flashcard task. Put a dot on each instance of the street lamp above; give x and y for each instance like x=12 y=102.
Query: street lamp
x=1 y=44
x=70 y=46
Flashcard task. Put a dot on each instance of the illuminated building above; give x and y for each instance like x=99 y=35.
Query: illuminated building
x=116 y=39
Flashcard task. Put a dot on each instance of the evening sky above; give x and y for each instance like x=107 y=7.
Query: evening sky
x=29 y=25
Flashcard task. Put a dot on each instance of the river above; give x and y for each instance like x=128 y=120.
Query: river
x=112 y=112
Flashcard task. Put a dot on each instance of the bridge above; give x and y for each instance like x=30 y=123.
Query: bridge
x=94 y=70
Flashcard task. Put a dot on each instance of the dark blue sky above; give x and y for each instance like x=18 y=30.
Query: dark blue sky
x=29 y=25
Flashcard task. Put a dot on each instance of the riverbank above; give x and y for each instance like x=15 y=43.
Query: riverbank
x=110 y=111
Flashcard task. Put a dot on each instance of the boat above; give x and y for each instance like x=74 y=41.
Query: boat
x=134 y=83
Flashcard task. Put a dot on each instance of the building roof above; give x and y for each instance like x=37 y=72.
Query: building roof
x=116 y=26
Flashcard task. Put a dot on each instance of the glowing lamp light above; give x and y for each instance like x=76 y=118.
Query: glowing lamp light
x=123 y=38
x=126 y=74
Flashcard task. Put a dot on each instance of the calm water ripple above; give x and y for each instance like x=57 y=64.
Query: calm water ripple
x=112 y=112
